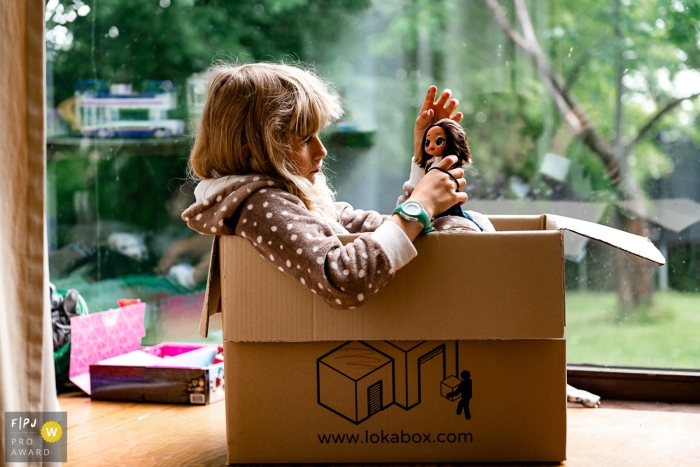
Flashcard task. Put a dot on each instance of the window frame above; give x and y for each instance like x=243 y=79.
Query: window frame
x=636 y=383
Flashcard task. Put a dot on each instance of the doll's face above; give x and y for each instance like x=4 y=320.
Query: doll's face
x=435 y=141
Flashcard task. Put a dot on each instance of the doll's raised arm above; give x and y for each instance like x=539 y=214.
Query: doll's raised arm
x=430 y=112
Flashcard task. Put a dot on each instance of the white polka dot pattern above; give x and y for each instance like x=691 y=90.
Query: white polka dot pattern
x=337 y=273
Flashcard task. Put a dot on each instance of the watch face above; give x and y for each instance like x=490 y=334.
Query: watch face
x=412 y=208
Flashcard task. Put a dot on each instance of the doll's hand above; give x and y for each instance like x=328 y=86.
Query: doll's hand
x=437 y=191
x=430 y=112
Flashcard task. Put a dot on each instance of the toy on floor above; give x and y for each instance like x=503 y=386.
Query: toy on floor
x=582 y=397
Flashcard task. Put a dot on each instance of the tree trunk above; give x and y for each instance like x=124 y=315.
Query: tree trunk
x=635 y=276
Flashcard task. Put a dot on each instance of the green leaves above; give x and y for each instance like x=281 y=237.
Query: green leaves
x=136 y=40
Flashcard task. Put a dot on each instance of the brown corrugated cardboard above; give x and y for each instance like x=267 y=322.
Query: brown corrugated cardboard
x=308 y=383
x=634 y=244
x=475 y=297
x=379 y=401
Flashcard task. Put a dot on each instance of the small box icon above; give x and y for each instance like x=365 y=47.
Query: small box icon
x=450 y=385
x=355 y=381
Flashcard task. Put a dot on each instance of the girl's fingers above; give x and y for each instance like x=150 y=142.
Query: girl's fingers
x=458 y=117
x=425 y=115
x=447 y=162
x=462 y=197
x=452 y=106
x=462 y=183
x=429 y=98
x=457 y=173
x=444 y=97
x=424 y=119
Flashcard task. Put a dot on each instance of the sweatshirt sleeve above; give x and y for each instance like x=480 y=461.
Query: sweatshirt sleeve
x=303 y=246
x=357 y=220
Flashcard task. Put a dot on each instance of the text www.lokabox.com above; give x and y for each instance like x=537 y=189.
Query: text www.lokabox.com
x=394 y=438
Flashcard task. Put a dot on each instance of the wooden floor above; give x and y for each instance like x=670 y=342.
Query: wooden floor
x=133 y=434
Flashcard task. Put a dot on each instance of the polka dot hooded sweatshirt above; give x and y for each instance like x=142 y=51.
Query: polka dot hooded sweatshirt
x=298 y=243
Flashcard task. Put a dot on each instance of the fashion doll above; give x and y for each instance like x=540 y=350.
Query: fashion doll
x=446 y=137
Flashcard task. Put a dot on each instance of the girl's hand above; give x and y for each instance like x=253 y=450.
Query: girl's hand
x=437 y=191
x=407 y=190
x=430 y=112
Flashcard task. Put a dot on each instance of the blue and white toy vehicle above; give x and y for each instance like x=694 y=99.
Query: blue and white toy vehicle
x=119 y=113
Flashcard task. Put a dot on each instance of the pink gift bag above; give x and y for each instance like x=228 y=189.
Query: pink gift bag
x=98 y=336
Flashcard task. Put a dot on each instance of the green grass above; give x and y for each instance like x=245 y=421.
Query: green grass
x=667 y=334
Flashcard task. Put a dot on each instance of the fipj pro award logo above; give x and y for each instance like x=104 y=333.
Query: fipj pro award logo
x=36 y=436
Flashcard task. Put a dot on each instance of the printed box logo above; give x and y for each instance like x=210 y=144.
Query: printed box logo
x=36 y=437
x=359 y=379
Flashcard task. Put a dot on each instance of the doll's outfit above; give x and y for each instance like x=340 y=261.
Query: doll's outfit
x=287 y=234
x=482 y=224
x=432 y=161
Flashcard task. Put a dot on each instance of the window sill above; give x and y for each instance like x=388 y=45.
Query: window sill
x=638 y=384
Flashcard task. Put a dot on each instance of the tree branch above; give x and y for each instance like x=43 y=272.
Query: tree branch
x=503 y=23
x=525 y=22
x=648 y=125
x=564 y=100
x=572 y=76
x=533 y=51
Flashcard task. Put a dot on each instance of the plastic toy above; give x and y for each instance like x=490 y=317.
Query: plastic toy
x=446 y=138
x=118 y=112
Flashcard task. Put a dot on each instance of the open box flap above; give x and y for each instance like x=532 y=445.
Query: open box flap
x=212 y=296
x=634 y=244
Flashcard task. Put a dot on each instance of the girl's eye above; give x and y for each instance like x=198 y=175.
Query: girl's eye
x=306 y=141
x=439 y=140
x=427 y=143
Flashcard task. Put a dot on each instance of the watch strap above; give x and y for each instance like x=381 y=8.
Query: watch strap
x=421 y=217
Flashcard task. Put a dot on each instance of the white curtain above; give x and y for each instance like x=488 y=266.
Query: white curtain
x=26 y=353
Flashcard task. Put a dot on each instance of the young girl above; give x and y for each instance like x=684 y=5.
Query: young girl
x=259 y=157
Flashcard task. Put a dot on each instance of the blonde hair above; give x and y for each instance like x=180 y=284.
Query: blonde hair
x=251 y=114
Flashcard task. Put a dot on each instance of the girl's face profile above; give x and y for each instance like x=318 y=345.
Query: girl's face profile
x=435 y=141
x=308 y=155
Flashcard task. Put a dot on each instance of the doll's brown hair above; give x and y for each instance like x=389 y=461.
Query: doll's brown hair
x=457 y=144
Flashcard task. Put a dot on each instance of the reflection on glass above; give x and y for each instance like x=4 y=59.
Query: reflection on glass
x=586 y=109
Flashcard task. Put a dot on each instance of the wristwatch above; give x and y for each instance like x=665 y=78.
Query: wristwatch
x=412 y=211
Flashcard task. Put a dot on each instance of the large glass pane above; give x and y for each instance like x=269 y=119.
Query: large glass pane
x=586 y=109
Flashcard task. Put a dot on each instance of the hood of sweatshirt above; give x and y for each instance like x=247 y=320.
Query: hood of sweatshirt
x=220 y=198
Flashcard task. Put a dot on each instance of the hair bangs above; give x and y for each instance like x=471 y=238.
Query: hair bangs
x=317 y=105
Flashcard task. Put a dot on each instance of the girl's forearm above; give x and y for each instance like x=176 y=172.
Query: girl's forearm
x=411 y=228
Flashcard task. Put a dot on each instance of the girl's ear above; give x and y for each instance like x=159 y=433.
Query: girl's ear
x=245 y=150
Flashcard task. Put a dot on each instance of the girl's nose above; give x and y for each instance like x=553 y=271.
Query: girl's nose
x=319 y=150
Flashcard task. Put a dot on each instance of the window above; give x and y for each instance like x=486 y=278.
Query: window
x=595 y=118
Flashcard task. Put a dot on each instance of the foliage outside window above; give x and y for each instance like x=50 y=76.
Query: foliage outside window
x=589 y=106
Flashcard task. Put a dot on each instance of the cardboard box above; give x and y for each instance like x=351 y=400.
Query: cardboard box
x=173 y=373
x=460 y=358
x=108 y=363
